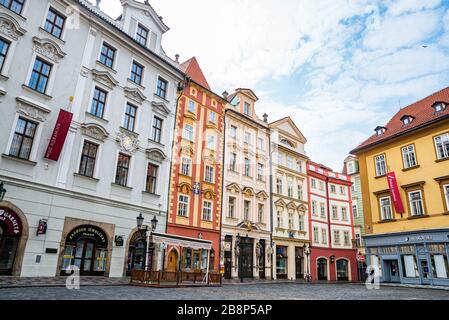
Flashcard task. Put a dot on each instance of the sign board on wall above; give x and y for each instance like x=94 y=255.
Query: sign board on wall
x=394 y=190
x=59 y=135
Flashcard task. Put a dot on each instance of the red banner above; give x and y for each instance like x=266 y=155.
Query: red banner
x=394 y=190
x=59 y=134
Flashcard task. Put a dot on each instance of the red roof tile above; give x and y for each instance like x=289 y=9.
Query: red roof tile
x=193 y=70
x=422 y=112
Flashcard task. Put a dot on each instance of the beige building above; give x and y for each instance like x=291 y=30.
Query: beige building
x=289 y=197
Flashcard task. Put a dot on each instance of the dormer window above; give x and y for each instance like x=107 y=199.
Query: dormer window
x=247 y=108
x=406 y=120
x=142 y=35
x=380 y=130
x=439 y=107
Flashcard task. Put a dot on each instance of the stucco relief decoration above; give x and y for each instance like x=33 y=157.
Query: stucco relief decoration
x=185 y=188
x=160 y=108
x=30 y=110
x=94 y=131
x=209 y=194
x=128 y=142
x=187 y=150
x=10 y=27
x=302 y=208
x=105 y=78
x=248 y=192
x=134 y=94
x=49 y=49
x=156 y=155
x=233 y=188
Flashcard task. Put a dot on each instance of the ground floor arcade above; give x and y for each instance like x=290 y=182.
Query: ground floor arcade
x=328 y=264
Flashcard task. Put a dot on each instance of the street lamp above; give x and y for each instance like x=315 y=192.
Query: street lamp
x=308 y=252
x=2 y=191
x=144 y=230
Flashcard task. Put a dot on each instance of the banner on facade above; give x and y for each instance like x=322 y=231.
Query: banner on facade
x=59 y=135
x=394 y=190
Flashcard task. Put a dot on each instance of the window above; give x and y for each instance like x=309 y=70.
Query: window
x=350 y=168
x=98 y=102
x=314 y=208
x=22 y=142
x=299 y=192
x=211 y=142
x=232 y=162
x=247 y=109
x=88 y=158
x=247 y=138
x=321 y=185
x=4 y=46
x=142 y=35
x=279 y=185
x=290 y=162
x=335 y=212
x=342 y=190
x=161 y=88
x=301 y=222
x=313 y=183
x=416 y=203
x=107 y=55
x=280 y=159
x=209 y=176
x=13 y=5
x=121 y=176
x=212 y=117
x=439 y=107
x=290 y=189
x=246 y=209
x=410 y=266
x=337 y=237
x=191 y=106
x=409 y=157
x=323 y=210
x=151 y=184
x=129 y=121
x=381 y=166
x=442 y=146
x=333 y=189
x=233 y=132
x=54 y=23
x=358 y=240
x=261 y=144
x=260 y=170
x=247 y=172
x=385 y=208
x=183 y=206
x=136 y=73
x=355 y=212
x=185 y=166
x=279 y=218
x=446 y=195
x=347 y=240
x=231 y=207
x=316 y=236
x=344 y=214
x=207 y=211
x=260 y=211
x=380 y=130
x=188 y=132
x=406 y=120
x=299 y=166
x=290 y=221
x=323 y=236
x=157 y=129
x=40 y=75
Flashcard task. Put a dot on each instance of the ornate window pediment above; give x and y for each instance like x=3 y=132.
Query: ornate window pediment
x=262 y=195
x=127 y=141
x=209 y=194
x=49 y=49
x=95 y=131
x=32 y=109
x=291 y=205
x=135 y=94
x=302 y=208
x=104 y=77
x=280 y=203
x=187 y=150
x=247 y=191
x=185 y=188
x=10 y=27
x=160 y=108
x=234 y=188
x=156 y=155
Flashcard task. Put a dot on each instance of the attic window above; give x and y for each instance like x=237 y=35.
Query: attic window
x=406 y=120
x=439 y=107
x=380 y=130
x=287 y=143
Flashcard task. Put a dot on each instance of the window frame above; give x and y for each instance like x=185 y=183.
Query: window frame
x=406 y=157
x=185 y=205
x=379 y=174
x=9 y=6
x=134 y=74
x=5 y=55
x=83 y=172
x=112 y=48
x=39 y=73
x=127 y=116
x=411 y=202
x=192 y=132
x=157 y=130
x=23 y=136
x=154 y=178
x=247 y=210
x=188 y=165
x=59 y=15
x=127 y=168
x=209 y=174
x=446 y=134
x=93 y=99
x=159 y=89
x=144 y=28
x=390 y=206
x=233 y=204
x=203 y=217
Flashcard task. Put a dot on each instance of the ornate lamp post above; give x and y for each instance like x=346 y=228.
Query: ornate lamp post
x=144 y=231
x=308 y=252
x=2 y=191
x=239 y=255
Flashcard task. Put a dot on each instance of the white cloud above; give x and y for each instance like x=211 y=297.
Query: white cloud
x=407 y=6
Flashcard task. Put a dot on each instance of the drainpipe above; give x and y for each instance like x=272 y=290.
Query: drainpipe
x=271 y=203
x=223 y=165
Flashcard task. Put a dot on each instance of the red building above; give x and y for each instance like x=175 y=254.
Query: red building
x=332 y=254
x=195 y=189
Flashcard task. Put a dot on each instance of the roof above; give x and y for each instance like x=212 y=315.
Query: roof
x=423 y=115
x=293 y=124
x=193 y=70
x=147 y=5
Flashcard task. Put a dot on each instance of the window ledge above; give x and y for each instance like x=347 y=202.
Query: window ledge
x=40 y=94
x=155 y=142
x=159 y=97
x=418 y=217
x=446 y=213
x=411 y=168
x=140 y=86
x=96 y=117
x=106 y=67
x=29 y=162
x=52 y=36
x=4 y=77
x=86 y=177
x=182 y=217
x=442 y=160
x=380 y=177
x=387 y=221
x=129 y=131
x=120 y=186
x=151 y=194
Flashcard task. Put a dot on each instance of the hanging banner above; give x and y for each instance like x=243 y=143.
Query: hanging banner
x=394 y=190
x=59 y=135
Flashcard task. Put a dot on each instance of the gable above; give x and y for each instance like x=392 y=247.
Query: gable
x=193 y=70
x=287 y=125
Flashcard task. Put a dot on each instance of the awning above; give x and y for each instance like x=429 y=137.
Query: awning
x=185 y=242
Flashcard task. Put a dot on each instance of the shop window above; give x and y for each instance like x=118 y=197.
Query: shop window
x=440 y=266
x=281 y=262
x=410 y=268
x=187 y=258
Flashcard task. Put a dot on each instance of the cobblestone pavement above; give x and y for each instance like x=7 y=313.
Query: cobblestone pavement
x=282 y=291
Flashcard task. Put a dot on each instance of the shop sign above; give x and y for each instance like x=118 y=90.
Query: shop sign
x=90 y=232
x=197 y=188
x=42 y=227
x=59 y=135
x=12 y=221
x=394 y=190
x=119 y=241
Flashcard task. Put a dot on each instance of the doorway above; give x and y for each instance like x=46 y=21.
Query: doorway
x=425 y=271
x=8 y=248
x=342 y=270
x=172 y=264
x=137 y=255
x=391 y=271
x=322 y=269
x=262 y=259
x=299 y=263
x=246 y=256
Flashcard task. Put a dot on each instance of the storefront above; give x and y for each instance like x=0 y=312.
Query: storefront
x=330 y=264
x=137 y=253
x=419 y=257
x=10 y=235
x=281 y=262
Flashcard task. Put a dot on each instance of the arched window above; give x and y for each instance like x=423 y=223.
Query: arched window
x=212 y=259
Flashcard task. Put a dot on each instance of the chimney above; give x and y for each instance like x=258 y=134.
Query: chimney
x=98 y=3
x=265 y=117
x=177 y=58
x=225 y=94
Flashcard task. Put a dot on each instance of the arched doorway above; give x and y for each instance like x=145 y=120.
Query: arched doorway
x=321 y=269
x=10 y=234
x=85 y=248
x=342 y=270
x=172 y=264
x=137 y=253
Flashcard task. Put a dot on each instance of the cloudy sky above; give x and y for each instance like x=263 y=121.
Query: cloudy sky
x=339 y=68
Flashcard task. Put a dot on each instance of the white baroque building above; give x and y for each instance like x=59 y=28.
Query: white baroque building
x=121 y=89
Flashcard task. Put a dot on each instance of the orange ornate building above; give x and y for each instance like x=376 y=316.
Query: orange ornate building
x=195 y=188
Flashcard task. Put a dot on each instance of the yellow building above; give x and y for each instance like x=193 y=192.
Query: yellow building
x=409 y=245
